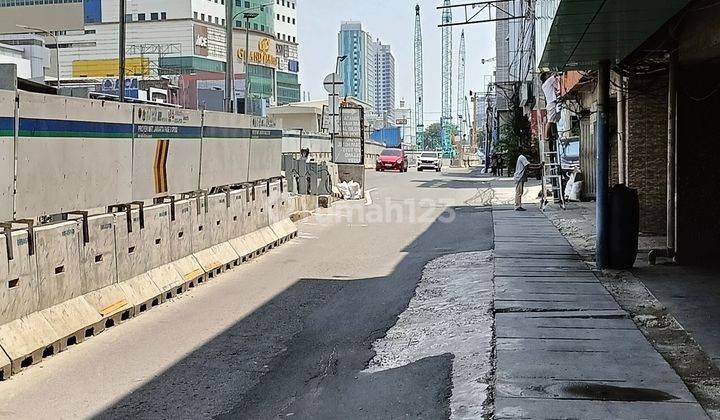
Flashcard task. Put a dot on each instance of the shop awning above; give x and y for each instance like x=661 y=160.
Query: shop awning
x=587 y=31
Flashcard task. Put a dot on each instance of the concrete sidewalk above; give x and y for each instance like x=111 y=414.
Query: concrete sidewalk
x=564 y=347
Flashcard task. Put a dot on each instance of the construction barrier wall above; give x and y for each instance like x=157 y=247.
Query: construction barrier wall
x=7 y=153
x=137 y=205
x=75 y=154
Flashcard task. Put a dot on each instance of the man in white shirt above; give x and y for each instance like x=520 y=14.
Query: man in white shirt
x=521 y=175
x=551 y=87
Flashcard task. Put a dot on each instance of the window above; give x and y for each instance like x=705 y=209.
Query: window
x=255 y=26
x=293 y=21
x=278 y=16
x=217 y=20
x=294 y=40
x=141 y=16
x=163 y=15
x=247 y=4
x=195 y=15
x=154 y=16
x=202 y=16
x=283 y=18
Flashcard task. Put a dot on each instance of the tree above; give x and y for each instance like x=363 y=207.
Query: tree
x=433 y=138
x=516 y=139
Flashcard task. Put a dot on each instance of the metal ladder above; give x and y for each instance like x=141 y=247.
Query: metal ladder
x=552 y=180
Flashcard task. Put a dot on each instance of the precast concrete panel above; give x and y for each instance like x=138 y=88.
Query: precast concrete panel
x=19 y=287
x=265 y=155
x=72 y=154
x=128 y=246
x=181 y=230
x=156 y=235
x=217 y=218
x=166 y=154
x=98 y=255
x=7 y=153
x=200 y=235
x=58 y=262
x=262 y=205
x=225 y=149
x=274 y=203
x=237 y=214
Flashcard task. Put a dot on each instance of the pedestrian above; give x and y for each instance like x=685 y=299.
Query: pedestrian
x=521 y=174
x=493 y=163
x=501 y=165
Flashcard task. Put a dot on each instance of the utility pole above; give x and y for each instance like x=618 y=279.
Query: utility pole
x=419 y=112
x=121 y=52
x=473 y=138
x=229 y=58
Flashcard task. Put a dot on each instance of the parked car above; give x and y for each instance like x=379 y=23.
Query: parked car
x=392 y=159
x=429 y=160
x=569 y=154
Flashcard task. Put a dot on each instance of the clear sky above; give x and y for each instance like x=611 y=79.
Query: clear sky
x=393 y=21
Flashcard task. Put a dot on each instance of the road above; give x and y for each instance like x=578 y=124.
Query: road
x=294 y=333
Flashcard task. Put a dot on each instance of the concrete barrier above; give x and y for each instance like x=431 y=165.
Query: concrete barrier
x=72 y=321
x=216 y=219
x=19 y=288
x=237 y=213
x=181 y=247
x=7 y=154
x=58 y=262
x=142 y=293
x=156 y=236
x=128 y=246
x=28 y=340
x=5 y=366
x=112 y=304
x=97 y=256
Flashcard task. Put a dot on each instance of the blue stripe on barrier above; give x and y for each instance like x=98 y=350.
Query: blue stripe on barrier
x=241 y=133
x=56 y=128
x=7 y=124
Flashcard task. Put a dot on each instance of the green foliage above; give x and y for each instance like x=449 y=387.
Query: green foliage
x=516 y=139
x=433 y=139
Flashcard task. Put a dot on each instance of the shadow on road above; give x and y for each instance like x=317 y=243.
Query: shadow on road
x=302 y=354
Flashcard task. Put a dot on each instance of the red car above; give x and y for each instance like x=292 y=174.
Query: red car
x=392 y=159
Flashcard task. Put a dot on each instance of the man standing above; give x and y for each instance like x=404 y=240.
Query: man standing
x=521 y=175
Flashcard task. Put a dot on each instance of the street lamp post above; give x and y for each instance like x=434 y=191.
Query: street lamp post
x=335 y=105
x=229 y=56
x=248 y=16
x=57 y=47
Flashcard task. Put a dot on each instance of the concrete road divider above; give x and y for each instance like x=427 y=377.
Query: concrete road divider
x=28 y=340
x=168 y=281
x=216 y=218
x=156 y=236
x=200 y=237
x=142 y=293
x=19 y=287
x=237 y=214
x=72 y=321
x=128 y=246
x=181 y=247
x=97 y=256
x=5 y=366
x=112 y=304
x=58 y=262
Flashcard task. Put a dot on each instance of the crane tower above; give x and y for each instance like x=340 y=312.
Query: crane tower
x=419 y=96
x=446 y=96
x=461 y=100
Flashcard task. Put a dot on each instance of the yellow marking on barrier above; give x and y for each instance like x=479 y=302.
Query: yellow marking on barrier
x=114 y=307
x=215 y=264
x=193 y=274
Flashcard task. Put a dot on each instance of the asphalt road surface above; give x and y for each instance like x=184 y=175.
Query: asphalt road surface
x=289 y=335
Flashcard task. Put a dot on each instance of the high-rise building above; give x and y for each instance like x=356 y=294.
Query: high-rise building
x=385 y=85
x=286 y=36
x=359 y=70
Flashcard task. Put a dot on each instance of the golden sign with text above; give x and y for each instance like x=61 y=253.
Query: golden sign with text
x=262 y=56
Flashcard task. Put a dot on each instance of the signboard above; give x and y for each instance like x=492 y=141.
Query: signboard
x=401 y=121
x=349 y=144
x=261 y=56
x=333 y=84
x=201 y=40
x=111 y=86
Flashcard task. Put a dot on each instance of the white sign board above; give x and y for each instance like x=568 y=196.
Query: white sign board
x=348 y=151
x=348 y=147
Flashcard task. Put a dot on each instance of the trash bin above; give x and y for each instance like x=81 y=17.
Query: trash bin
x=624 y=226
